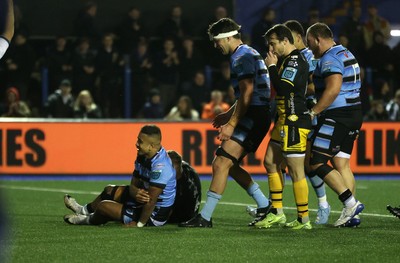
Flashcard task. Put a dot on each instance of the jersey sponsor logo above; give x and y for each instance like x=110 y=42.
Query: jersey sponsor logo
x=155 y=174
x=293 y=117
x=293 y=63
x=289 y=73
x=326 y=67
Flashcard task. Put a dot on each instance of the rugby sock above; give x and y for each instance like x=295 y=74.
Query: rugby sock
x=347 y=198
x=319 y=188
x=211 y=203
x=300 y=189
x=258 y=196
x=276 y=190
x=86 y=209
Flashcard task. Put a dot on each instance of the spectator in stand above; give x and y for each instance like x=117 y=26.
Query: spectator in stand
x=197 y=91
x=60 y=103
x=373 y=24
x=85 y=108
x=222 y=80
x=396 y=59
x=84 y=24
x=380 y=59
x=175 y=26
x=343 y=40
x=215 y=106
x=382 y=91
x=141 y=66
x=313 y=17
x=166 y=71
x=83 y=63
x=263 y=25
x=14 y=107
x=353 y=29
x=377 y=112
x=19 y=22
x=183 y=111
x=20 y=60
x=393 y=107
x=153 y=108
x=108 y=66
x=59 y=61
x=131 y=30
x=191 y=60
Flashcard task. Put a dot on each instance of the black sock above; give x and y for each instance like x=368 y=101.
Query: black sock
x=345 y=195
x=89 y=208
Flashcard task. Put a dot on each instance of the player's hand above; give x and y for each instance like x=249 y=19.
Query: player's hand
x=271 y=58
x=220 y=119
x=311 y=113
x=225 y=132
x=142 y=196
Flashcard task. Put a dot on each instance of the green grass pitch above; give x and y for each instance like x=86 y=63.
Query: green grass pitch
x=39 y=234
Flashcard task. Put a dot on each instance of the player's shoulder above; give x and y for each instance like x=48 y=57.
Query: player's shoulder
x=161 y=160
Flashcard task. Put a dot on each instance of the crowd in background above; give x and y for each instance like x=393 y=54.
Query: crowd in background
x=175 y=74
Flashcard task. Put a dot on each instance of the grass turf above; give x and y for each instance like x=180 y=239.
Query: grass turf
x=35 y=210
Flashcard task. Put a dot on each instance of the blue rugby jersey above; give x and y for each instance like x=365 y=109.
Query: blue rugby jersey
x=312 y=62
x=158 y=171
x=339 y=60
x=246 y=62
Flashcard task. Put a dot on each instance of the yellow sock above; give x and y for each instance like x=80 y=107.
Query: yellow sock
x=300 y=189
x=276 y=189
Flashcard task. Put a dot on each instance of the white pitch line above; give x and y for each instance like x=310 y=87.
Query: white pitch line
x=70 y=191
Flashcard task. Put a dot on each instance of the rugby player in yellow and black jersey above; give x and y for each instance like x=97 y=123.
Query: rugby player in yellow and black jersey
x=288 y=141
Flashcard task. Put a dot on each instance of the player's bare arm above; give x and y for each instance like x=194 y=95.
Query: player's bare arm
x=9 y=22
x=154 y=193
x=138 y=193
x=332 y=84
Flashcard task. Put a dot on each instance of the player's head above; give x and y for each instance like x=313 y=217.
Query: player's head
x=149 y=140
x=176 y=159
x=317 y=36
x=279 y=39
x=297 y=32
x=224 y=32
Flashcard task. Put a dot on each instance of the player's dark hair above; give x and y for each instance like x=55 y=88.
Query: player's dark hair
x=295 y=26
x=223 y=25
x=151 y=130
x=320 y=30
x=175 y=157
x=281 y=32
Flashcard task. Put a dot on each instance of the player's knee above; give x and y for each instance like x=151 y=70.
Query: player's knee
x=323 y=170
x=223 y=160
x=221 y=163
x=108 y=192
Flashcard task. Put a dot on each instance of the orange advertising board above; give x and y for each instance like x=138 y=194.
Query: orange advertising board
x=41 y=147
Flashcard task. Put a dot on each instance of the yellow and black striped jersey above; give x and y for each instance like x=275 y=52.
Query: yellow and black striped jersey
x=290 y=78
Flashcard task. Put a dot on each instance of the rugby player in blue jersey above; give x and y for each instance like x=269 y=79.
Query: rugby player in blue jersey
x=337 y=88
x=148 y=200
x=243 y=127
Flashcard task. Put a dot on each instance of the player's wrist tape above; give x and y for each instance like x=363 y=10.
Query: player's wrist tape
x=313 y=113
x=140 y=224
